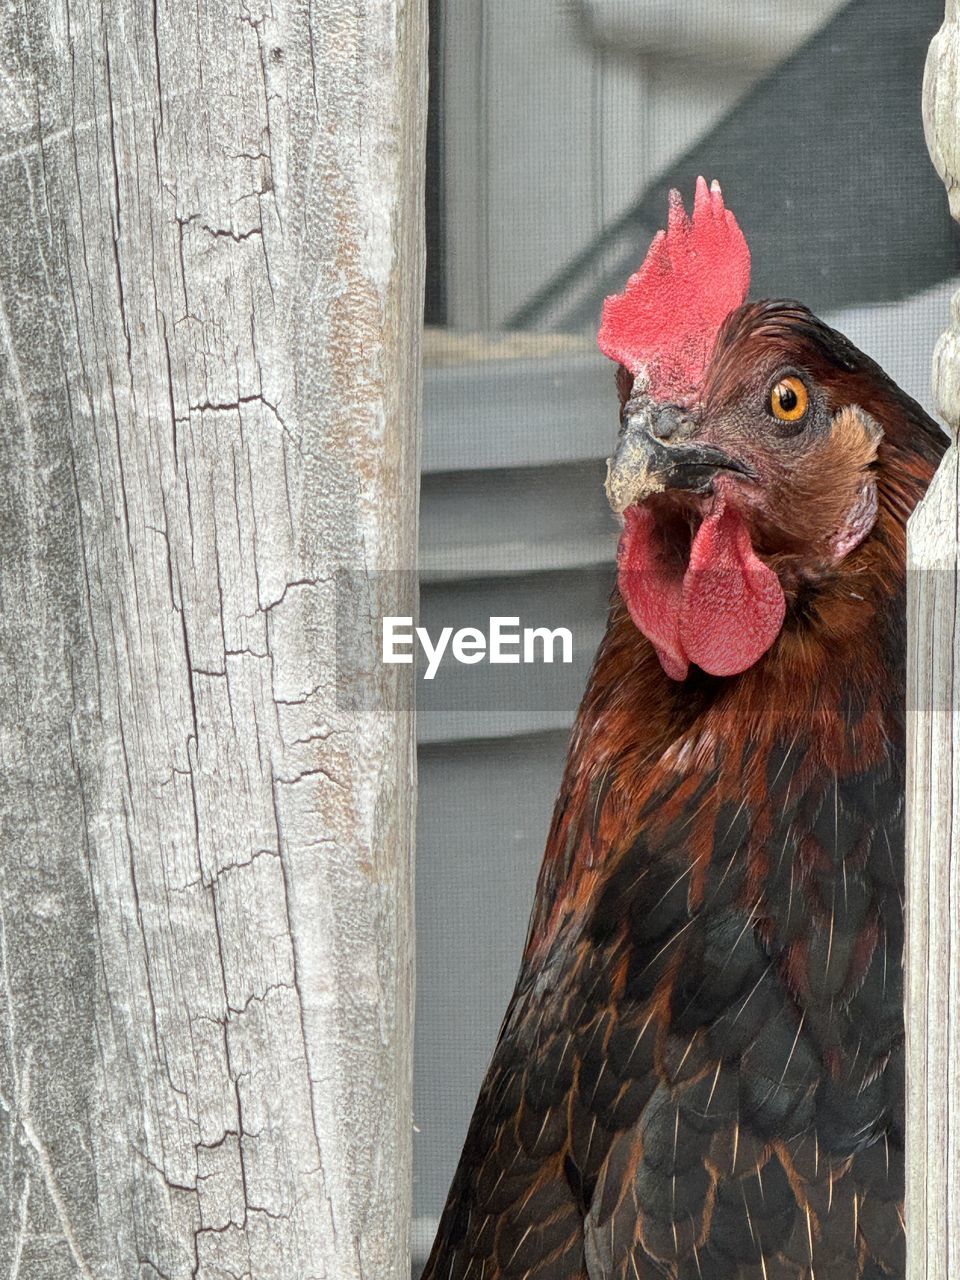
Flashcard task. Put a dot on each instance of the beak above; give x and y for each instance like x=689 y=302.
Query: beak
x=657 y=451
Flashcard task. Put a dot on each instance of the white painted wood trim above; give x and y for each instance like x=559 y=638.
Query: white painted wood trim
x=933 y=774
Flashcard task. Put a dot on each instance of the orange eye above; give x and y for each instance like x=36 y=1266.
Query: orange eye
x=789 y=400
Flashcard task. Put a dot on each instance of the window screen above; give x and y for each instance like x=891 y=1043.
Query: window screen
x=557 y=128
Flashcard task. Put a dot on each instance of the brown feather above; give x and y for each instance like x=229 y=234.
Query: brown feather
x=700 y=1073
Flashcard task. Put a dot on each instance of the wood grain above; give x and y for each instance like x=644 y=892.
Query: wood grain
x=210 y=298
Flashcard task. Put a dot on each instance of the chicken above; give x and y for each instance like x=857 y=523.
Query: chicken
x=701 y=1072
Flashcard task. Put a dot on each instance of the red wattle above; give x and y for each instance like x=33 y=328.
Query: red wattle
x=723 y=612
x=732 y=605
x=652 y=594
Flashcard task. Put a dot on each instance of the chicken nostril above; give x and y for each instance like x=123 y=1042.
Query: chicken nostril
x=672 y=422
x=665 y=424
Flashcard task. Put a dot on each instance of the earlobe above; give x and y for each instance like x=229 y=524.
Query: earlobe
x=859 y=520
x=854 y=442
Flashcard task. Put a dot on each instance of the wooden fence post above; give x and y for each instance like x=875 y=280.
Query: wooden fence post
x=933 y=769
x=210 y=299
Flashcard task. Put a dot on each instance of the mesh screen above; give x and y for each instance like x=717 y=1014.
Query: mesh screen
x=556 y=129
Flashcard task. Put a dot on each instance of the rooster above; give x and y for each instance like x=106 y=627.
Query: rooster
x=701 y=1072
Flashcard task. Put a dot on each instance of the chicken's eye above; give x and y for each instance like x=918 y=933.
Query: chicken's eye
x=789 y=400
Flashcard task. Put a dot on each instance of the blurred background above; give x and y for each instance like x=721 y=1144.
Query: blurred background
x=556 y=129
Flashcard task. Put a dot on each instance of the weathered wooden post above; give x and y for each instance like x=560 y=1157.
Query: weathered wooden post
x=933 y=769
x=210 y=296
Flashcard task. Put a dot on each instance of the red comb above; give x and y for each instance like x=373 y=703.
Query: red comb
x=666 y=320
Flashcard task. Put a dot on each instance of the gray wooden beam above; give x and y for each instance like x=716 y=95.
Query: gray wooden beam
x=210 y=295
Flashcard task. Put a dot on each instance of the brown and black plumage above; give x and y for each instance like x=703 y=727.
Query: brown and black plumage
x=700 y=1074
